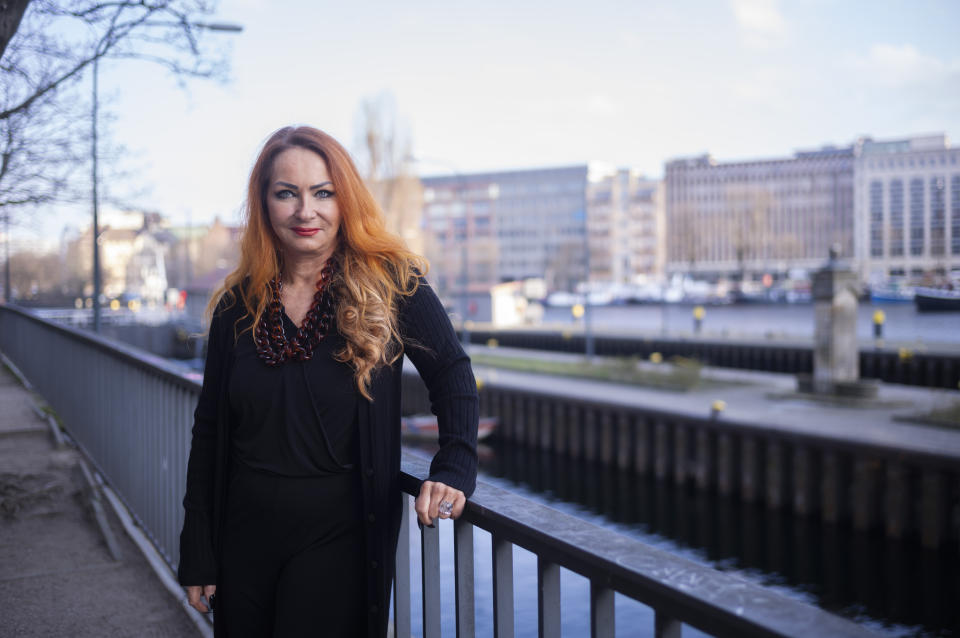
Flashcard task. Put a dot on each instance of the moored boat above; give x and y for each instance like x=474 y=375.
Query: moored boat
x=937 y=299
x=892 y=293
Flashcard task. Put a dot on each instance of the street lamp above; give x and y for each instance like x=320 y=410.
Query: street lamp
x=97 y=283
x=7 y=297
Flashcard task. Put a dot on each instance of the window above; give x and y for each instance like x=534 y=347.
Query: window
x=916 y=216
x=876 y=218
x=955 y=215
x=896 y=217
x=937 y=215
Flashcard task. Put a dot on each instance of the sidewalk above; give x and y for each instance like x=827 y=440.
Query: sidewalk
x=57 y=575
x=764 y=399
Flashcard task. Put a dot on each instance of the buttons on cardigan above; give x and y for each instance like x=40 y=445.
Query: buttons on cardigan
x=374 y=564
x=369 y=471
x=371 y=518
x=374 y=609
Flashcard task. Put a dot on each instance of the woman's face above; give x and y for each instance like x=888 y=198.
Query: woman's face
x=302 y=205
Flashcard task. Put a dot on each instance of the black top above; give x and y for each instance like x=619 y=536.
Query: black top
x=297 y=418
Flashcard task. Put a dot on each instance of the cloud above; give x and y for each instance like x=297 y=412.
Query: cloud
x=901 y=66
x=760 y=21
x=602 y=105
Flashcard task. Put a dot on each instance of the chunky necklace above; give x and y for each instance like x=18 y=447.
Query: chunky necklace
x=272 y=344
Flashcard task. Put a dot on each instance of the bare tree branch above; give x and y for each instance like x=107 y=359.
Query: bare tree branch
x=44 y=122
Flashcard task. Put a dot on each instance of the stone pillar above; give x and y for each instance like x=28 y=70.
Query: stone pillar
x=836 y=355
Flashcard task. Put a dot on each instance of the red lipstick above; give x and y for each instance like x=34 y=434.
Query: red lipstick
x=306 y=232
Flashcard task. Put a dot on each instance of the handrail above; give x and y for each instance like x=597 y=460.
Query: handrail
x=131 y=414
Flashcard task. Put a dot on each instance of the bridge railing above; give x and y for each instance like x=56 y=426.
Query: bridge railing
x=132 y=413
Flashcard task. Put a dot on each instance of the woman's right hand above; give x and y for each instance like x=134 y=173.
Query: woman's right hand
x=195 y=593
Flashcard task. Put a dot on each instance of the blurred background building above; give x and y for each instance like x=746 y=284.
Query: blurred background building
x=907 y=208
x=625 y=220
x=744 y=220
x=487 y=228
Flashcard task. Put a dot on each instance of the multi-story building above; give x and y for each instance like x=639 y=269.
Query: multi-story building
x=486 y=228
x=132 y=255
x=755 y=218
x=907 y=208
x=625 y=220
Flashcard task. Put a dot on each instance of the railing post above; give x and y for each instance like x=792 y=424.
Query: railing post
x=665 y=626
x=502 y=588
x=430 y=563
x=463 y=575
x=601 y=611
x=401 y=583
x=548 y=598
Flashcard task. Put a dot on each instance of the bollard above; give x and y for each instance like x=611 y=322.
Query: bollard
x=717 y=408
x=879 y=317
x=698 y=313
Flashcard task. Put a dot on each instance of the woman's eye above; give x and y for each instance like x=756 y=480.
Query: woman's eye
x=284 y=194
x=323 y=193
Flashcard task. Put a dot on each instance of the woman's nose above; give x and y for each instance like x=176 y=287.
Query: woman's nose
x=303 y=207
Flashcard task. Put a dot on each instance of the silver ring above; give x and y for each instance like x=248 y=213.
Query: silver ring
x=446 y=508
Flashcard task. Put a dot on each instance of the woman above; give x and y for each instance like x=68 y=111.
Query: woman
x=292 y=501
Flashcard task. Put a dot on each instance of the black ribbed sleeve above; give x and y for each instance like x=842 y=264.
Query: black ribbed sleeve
x=431 y=344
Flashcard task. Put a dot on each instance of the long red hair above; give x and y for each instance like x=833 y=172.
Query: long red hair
x=375 y=266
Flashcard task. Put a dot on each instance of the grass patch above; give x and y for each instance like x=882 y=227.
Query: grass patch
x=679 y=374
x=945 y=417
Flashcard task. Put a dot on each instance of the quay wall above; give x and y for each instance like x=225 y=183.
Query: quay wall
x=908 y=495
x=909 y=367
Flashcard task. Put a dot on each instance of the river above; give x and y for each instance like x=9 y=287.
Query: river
x=894 y=588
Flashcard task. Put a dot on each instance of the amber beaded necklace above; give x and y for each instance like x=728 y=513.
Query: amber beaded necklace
x=273 y=347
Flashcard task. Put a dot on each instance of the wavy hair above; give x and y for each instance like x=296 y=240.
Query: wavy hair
x=375 y=267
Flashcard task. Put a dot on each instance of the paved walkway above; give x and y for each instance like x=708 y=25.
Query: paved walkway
x=57 y=576
x=761 y=398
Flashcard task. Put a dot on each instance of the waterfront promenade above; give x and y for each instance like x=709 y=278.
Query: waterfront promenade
x=58 y=575
x=767 y=400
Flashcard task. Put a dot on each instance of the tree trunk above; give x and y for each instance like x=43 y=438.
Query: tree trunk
x=11 y=11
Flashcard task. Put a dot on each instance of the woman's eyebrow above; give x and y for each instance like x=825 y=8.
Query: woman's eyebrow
x=295 y=187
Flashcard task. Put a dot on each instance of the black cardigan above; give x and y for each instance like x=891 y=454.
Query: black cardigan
x=431 y=344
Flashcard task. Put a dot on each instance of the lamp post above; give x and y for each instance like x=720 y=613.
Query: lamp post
x=97 y=281
x=7 y=297
x=589 y=346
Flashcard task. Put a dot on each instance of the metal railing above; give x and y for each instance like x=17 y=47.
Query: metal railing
x=132 y=413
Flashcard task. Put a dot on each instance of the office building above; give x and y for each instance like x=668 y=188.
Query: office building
x=907 y=209
x=754 y=218
x=625 y=219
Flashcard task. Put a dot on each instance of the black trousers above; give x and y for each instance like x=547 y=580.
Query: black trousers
x=292 y=557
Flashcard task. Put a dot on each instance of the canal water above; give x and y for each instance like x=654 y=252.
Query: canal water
x=895 y=588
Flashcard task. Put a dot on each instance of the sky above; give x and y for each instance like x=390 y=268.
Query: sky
x=499 y=85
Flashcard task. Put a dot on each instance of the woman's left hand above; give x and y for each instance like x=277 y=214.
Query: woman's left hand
x=432 y=494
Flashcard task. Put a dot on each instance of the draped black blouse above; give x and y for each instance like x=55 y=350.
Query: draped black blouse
x=297 y=418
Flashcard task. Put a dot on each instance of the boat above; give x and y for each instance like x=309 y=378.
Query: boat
x=891 y=292
x=423 y=427
x=937 y=299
